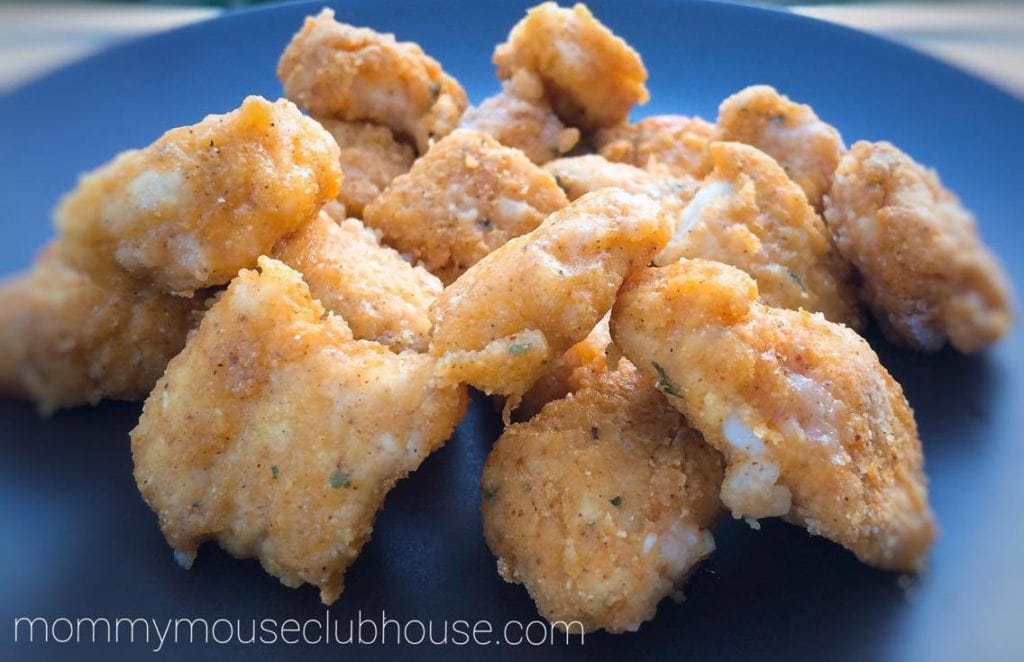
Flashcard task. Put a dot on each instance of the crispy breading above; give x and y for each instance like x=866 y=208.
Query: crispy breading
x=925 y=273
x=380 y=295
x=580 y=364
x=747 y=213
x=806 y=147
x=370 y=159
x=277 y=435
x=67 y=340
x=811 y=425
x=203 y=201
x=672 y=145
x=591 y=77
x=601 y=504
x=466 y=197
x=338 y=71
x=552 y=286
x=528 y=125
x=578 y=175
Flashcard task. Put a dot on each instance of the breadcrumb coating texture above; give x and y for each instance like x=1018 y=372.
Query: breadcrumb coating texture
x=370 y=159
x=526 y=124
x=672 y=145
x=380 y=295
x=811 y=425
x=278 y=435
x=747 y=213
x=600 y=505
x=203 y=201
x=553 y=284
x=925 y=273
x=807 y=148
x=335 y=70
x=591 y=77
x=466 y=197
x=67 y=340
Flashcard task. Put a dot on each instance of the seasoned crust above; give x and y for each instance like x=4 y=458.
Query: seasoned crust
x=600 y=505
x=591 y=77
x=811 y=425
x=466 y=197
x=926 y=274
x=335 y=70
x=278 y=435
x=203 y=201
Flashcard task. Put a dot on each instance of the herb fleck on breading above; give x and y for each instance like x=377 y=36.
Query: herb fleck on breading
x=664 y=383
x=339 y=479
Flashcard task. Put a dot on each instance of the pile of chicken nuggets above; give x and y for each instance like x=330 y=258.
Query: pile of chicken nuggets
x=669 y=310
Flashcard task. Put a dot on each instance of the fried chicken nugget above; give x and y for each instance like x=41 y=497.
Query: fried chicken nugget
x=579 y=175
x=277 y=435
x=749 y=214
x=601 y=504
x=466 y=197
x=806 y=147
x=591 y=77
x=381 y=296
x=335 y=70
x=671 y=145
x=203 y=201
x=925 y=272
x=67 y=340
x=570 y=371
x=503 y=322
x=370 y=159
x=811 y=425
x=528 y=125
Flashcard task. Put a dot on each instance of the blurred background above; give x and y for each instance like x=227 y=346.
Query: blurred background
x=984 y=38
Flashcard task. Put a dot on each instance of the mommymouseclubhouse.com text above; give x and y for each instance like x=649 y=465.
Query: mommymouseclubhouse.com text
x=363 y=630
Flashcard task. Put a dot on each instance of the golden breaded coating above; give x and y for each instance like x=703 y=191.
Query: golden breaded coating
x=370 y=159
x=579 y=175
x=502 y=323
x=203 y=201
x=672 y=145
x=381 y=296
x=528 y=125
x=925 y=273
x=466 y=197
x=66 y=340
x=277 y=435
x=811 y=425
x=591 y=77
x=601 y=504
x=335 y=70
x=806 y=147
x=748 y=214
x=569 y=372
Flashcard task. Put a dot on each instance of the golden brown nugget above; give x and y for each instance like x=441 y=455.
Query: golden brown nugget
x=277 y=435
x=812 y=427
x=578 y=175
x=672 y=145
x=203 y=201
x=591 y=77
x=925 y=273
x=502 y=323
x=601 y=504
x=466 y=197
x=528 y=125
x=370 y=159
x=806 y=147
x=749 y=214
x=381 y=296
x=335 y=70
x=584 y=361
x=66 y=340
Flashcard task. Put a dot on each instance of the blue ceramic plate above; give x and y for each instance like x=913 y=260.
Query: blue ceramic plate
x=78 y=541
